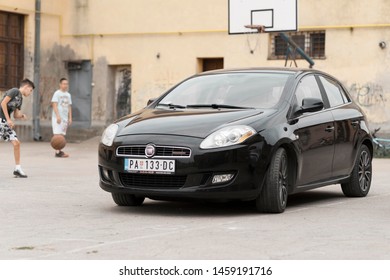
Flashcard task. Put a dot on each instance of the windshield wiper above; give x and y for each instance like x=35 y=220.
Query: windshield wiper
x=172 y=106
x=218 y=106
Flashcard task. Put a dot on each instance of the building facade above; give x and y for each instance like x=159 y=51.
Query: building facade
x=118 y=54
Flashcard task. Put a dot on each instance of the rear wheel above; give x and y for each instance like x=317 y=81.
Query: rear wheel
x=273 y=196
x=123 y=199
x=360 y=180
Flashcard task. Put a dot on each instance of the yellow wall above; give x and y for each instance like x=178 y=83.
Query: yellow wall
x=123 y=32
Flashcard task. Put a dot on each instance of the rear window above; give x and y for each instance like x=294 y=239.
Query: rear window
x=336 y=95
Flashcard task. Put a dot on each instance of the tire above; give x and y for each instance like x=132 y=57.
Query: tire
x=273 y=196
x=360 y=179
x=123 y=199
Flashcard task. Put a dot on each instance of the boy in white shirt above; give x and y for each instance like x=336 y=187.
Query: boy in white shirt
x=62 y=112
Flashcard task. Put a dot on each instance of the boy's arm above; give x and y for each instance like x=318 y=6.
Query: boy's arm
x=5 y=110
x=55 y=108
x=19 y=115
x=70 y=115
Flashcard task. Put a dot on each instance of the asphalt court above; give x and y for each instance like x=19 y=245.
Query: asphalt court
x=60 y=212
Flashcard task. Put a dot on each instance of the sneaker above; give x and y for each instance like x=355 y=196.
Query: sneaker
x=61 y=154
x=19 y=173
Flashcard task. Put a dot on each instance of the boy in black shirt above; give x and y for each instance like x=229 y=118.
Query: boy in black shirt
x=12 y=103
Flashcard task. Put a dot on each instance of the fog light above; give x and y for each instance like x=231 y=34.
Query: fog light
x=222 y=178
x=105 y=174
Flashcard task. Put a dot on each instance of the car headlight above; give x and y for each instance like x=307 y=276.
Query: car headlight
x=109 y=134
x=227 y=136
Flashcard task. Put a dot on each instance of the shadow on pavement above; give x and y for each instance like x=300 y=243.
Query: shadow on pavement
x=212 y=209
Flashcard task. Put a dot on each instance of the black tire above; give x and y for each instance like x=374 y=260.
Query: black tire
x=360 y=179
x=273 y=196
x=123 y=199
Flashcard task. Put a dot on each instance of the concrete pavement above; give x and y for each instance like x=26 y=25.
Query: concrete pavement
x=60 y=212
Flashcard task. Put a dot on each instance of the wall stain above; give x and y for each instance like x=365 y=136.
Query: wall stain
x=51 y=71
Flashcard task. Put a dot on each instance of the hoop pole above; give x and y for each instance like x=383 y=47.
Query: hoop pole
x=297 y=48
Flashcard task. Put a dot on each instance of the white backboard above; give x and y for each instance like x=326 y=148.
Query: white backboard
x=275 y=15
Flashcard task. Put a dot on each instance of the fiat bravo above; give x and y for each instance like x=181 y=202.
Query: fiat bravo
x=244 y=134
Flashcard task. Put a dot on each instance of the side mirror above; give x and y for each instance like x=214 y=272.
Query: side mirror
x=150 y=101
x=310 y=104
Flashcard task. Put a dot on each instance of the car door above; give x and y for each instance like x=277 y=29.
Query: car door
x=315 y=136
x=347 y=119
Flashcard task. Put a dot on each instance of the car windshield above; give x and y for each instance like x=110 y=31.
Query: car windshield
x=232 y=90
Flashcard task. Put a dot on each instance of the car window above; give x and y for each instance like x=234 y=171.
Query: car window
x=258 y=90
x=307 y=87
x=335 y=94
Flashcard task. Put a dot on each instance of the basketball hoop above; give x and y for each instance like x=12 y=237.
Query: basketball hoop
x=253 y=30
x=274 y=15
x=259 y=28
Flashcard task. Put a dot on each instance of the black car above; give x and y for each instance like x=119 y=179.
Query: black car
x=243 y=134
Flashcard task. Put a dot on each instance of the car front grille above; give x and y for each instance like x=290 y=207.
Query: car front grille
x=152 y=180
x=161 y=151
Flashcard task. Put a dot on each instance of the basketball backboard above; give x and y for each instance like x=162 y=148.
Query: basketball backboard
x=274 y=15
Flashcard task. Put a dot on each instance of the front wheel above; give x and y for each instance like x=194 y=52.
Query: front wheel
x=359 y=182
x=273 y=196
x=123 y=199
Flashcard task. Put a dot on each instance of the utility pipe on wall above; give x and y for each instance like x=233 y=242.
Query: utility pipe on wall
x=37 y=57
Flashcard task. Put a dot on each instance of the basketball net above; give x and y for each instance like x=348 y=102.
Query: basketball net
x=255 y=30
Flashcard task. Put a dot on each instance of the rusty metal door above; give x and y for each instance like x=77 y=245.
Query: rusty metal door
x=80 y=87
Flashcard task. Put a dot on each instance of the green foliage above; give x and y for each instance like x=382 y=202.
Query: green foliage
x=381 y=151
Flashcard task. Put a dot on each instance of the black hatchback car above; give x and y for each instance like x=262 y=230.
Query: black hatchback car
x=243 y=134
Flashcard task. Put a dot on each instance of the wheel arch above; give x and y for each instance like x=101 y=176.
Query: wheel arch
x=292 y=165
x=369 y=145
x=292 y=157
x=367 y=142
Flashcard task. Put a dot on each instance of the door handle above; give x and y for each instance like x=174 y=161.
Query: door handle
x=329 y=129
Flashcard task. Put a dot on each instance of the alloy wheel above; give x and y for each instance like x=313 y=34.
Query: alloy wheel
x=364 y=172
x=283 y=180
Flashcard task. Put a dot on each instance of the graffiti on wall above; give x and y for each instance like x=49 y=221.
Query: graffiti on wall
x=368 y=94
x=123 y=96
x=373 y=100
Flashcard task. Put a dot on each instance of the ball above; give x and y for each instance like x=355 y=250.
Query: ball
x=58 y=142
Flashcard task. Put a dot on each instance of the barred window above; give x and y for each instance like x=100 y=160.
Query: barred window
x=11 y=49
x=312 y=42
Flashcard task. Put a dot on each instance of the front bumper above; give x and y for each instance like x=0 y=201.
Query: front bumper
x=193 y=175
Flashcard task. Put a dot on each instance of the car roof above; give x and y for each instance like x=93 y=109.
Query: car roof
x=296 y=71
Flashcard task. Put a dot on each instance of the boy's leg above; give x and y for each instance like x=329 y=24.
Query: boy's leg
x=59 y=129
x=8 y=134
x=18 y=172
x=60 y=153
x=16 y=145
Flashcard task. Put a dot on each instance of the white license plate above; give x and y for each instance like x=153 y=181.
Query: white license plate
x=161 y=166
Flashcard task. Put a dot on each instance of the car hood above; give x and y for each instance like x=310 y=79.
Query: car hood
x=194 y=123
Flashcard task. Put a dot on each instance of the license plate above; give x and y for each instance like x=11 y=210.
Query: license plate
x=161 y=166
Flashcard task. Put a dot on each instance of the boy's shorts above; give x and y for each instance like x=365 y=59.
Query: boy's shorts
x=59 y=128
x=7 y=133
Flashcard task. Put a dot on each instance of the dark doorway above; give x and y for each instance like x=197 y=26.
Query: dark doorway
x=123 y=91
x=208 y=64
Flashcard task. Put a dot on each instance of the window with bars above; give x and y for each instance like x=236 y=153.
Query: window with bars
x=11 y=49
x=312 y=42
